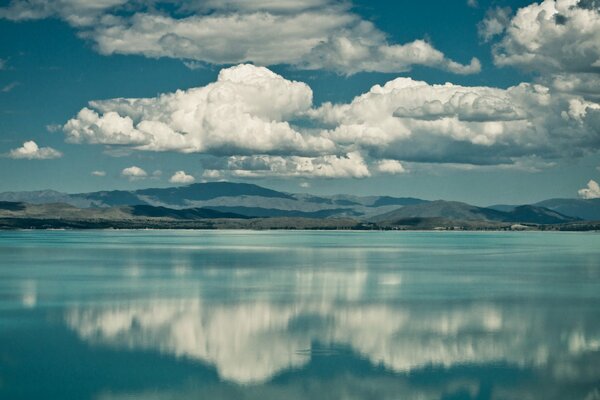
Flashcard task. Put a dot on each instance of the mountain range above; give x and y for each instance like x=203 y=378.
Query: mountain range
x=242 y=202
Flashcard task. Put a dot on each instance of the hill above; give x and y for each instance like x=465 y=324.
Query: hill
x=447 y=211
x=246 y=199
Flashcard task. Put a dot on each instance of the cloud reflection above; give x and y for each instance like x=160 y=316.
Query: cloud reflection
x=252 y=342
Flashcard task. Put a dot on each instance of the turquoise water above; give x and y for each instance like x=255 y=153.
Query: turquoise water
x=299 y=315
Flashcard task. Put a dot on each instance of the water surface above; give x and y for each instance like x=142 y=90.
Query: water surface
x=299 y=315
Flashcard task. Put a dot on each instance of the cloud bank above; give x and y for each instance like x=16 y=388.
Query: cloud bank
x=232 y=32
x=31 y=151
x=255 y=122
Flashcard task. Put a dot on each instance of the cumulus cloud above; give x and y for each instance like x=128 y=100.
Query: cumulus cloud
x=414 y=121
x=31 y=151
x=391 y=167
x=2 y=64
x=99 y=173
x=181 y=177
x=246 y=120
x=245 y=110
x=352 y=165
x=232 y=32
x=134 y=173
x=592 y=191
x=554 y=35
x=559 y=40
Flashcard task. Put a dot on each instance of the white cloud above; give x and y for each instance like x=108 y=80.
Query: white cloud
x=352 y=165
x=31 y=151
x=414 y=121
x=391 y=167
x=211 y=174
x=236 y=31
x=246 y=118
x=559 y=40
x=98 y=173
x=245 y=110
x=134 y=173
x=552 y=36
x=181 y=177
x=473 y=3
x=78 y=13
x=304 y=185
x=592 y=191
x=365 y=49
x=495 y=22
x=2 y=64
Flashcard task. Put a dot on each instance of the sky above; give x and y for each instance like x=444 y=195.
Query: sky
x=480 y=101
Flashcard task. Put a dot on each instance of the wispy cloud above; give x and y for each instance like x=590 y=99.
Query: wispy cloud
x=9 y=87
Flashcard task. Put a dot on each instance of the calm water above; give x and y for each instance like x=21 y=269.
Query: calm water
x=299 y=315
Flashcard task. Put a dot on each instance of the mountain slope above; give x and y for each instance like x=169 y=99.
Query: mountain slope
x=587 y=209
x=69 y=212
x=246 y=199
x=450 y=210
x=456 y=211
x=207 y=191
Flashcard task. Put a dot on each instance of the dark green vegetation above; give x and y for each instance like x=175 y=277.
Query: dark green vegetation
x=225 y=205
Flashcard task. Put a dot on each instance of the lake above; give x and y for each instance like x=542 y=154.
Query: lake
x=299 y=315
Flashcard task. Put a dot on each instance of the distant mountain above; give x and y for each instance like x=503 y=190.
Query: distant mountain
x=451 y=210
x=433 y=215
x=538 y=215
x=457 y=211
x=245 y=199
x=253 y=201
x=16 y=215
x=396 y=201
x=581 y=208
x=111 y=198
x=273 y=212
x=187 y=213
x=67 y=211
x=44 y=197
x=586 y=209
x=207 y=191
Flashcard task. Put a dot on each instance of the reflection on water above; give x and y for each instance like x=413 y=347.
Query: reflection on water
x=300 y=315
x=253 y=342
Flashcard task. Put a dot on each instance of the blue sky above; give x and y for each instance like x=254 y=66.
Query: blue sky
x=516 y=123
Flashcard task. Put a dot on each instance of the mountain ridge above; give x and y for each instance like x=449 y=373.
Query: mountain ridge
x=250 y=200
